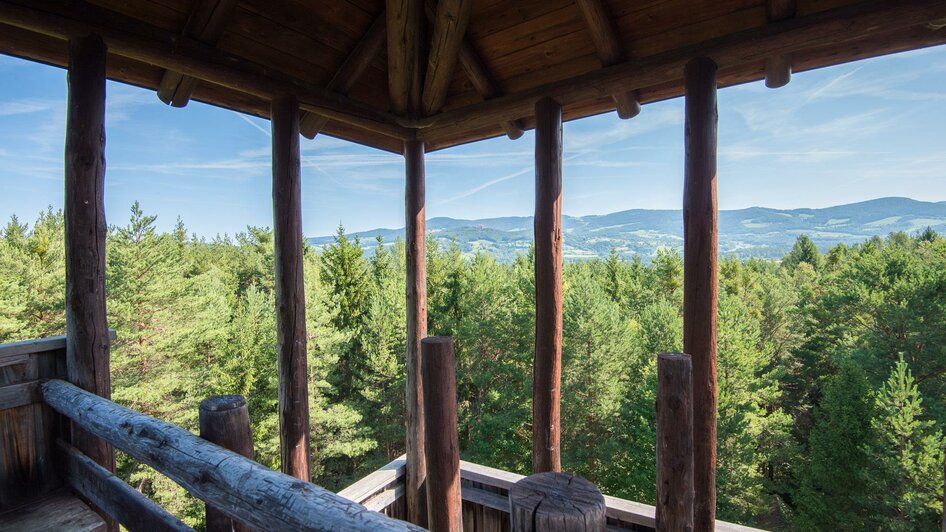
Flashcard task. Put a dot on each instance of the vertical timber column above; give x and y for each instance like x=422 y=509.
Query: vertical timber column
x=87 y=342
x=416 y=231
x=290 y=293
x=547 y=367
x=699 y=278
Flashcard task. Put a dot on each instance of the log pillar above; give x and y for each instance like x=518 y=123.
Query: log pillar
x=416 y=231
x=87 y=341
x=700 y=278
x=290 y=291
x=674 y=442
x=442 y=446
x=225 y=421
x=547 y=366
x=559 y=502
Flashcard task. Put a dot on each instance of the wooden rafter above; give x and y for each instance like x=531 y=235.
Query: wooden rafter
x=827 y=28
x=450 y=21
x=404 y=28
x=132 y=39
x=349 y=73
x=610 y=50
x=778 y=68
x=206 y=23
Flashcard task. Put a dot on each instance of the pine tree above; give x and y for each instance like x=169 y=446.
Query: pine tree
x=803 y=251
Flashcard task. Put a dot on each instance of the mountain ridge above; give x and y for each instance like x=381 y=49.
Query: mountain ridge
x=750 y=232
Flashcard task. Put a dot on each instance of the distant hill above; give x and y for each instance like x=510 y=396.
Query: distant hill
x=752 y=232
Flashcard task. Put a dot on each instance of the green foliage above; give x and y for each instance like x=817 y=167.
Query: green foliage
x=831 y=368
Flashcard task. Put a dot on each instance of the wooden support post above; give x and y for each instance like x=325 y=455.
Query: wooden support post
x=547 y=370
x=290 y=291
x=674 y=442
x=442 y=446
x=225 y=420
x=556 y=502
x=778 y=68
x=450 y=23
x=416 y=231
x=87 y=337
x=700 y=278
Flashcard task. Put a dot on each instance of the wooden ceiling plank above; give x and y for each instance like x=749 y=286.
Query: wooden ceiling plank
x=205 y=24
x=350 y=72
x=450 y=22
x=134 y=40
x=404 y=18
x=610 y=50
x=831 y=27
x=778 y=68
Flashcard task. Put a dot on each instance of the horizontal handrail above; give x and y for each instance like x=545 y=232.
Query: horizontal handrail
x=238 y=486
x=40 y=345
x=376 y=482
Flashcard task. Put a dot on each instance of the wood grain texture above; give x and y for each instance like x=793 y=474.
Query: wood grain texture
x=360 y=58
x=450 y=22
x=115 y=496
x=244 y=489
x=405 y=31
x=87 y=335
x=53 y=513
x=290 y=290
x=610 y=50
x=547 y=366
x=556 y=502
x=206 y=23
x=700 y=284
x=442 y=447
x=225 y=421
x=674 y=442
x=778 y=68
x=415 y=249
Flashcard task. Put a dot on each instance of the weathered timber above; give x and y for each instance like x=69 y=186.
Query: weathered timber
x=415 y=235
x=290 y=290
x=225 y=421
x=610 y=50
x=115 y=496
x=825 y=28
x=450 y=21
x=247 y=491
x=206 y=23
x=22 y=394
x=556 y=502
x=132 y=39
x=87 y=336
x=350 y=72
x=442 y=446
x=700 y=277
x=674 y=442
x=547 y=367
x=41 y=345
x=778 y=68
x=404 y=32
x=376 y=481
x=55 y=512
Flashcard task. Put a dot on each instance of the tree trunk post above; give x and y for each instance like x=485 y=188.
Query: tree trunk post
x=556 y=502
x=416 y=231
x=87 y=341
x=442 y=446
x=225 y=421
x=290 y=290
x=547 y=370
x=700 y=278
x=674 y=442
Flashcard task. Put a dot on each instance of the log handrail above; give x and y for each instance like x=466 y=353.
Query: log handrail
x=39 y=345
x=244 y=489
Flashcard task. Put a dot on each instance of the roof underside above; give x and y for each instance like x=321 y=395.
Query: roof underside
x=529 y=49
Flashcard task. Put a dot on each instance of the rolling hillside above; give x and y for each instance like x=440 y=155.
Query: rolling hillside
x=752 y=232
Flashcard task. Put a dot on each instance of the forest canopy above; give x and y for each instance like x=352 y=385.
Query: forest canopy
x=832 y=366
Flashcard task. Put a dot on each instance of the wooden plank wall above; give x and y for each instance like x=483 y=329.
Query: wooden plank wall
x=28 y=428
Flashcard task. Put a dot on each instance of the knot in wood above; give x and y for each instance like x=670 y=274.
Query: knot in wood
x=556 y=502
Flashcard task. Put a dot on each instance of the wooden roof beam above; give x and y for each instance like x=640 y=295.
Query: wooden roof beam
x=610 y=50
x=831 y=27
x=778 y=68
x=450 y=21
x=349 y=73
x=135 y=40
x=404 y=30
x=206 y=23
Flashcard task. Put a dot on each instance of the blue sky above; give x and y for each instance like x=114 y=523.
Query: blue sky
x=853 y=132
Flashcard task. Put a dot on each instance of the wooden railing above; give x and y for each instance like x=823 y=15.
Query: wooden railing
x=485 y=493
x=241 y=488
